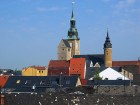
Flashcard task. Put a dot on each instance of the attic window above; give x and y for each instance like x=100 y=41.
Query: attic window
x=68 y=82
x=54 y=82
x=42 y=82
x=48 y=83
x=33 y=87
x=18 y=81
x=27 y=82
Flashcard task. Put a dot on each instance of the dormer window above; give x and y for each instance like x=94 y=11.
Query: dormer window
x=42 y=82
x=34 y=87
x=18 y=81
x=27 y=82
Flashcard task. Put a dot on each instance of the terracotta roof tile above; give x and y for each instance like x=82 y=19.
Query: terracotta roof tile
x=59 y=64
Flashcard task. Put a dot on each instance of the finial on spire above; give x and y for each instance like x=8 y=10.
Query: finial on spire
x=72 y=17
x=107 y=33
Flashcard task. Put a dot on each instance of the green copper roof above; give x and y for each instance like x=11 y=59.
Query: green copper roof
x=72 y=16
x=72 y=32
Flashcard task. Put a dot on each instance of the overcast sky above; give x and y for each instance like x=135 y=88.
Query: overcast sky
x=30 y=30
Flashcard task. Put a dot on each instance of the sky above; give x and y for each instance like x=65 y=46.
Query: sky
x=30 y=30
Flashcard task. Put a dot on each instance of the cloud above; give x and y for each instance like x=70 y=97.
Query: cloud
x=25 y=0
x=124 y=4
x=51 y=9
x=89 y=11
x=106 y=0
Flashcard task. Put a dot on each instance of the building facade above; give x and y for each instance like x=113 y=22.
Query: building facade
x=78 y=67
x=35 y=71
x=64 y=50
x=58 y=67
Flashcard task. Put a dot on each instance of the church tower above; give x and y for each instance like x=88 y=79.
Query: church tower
x=70 y=46
x=108 y=51
x=73 y=38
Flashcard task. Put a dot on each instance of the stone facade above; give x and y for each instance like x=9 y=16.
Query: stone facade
x=108 y=52
x=64 y=50
x=108 y=57
x=75 y=47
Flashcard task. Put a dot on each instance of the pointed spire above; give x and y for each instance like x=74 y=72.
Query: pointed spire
x=72 y=16
x=107 y=43
x=107 y=34
x=72 y=32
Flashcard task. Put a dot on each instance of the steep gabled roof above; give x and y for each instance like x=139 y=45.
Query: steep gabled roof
x=92 y=57
x=111 y=74
x=58 y=64
x=39 y=67
x=134 y=69
x=39 y=83
x=65 y=41
x=3 y=80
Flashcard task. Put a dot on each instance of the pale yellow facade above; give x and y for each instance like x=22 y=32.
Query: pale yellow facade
x=75 y=46
x=34 y=71
x=108 y=57
x=64 y=52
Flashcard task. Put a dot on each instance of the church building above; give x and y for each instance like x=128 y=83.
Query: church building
x=70 y=46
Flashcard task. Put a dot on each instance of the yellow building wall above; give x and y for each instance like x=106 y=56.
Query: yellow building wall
x=31 y=71
x=108 y=57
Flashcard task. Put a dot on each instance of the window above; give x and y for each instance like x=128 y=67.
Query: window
x=70 y=44
x=33 y=87
x=27 y=82
x=48 y=84
x=42 y=82
x=68 y=82
x=54 y=82
x=18 y=81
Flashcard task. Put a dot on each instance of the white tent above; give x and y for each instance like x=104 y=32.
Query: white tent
x=111 y=74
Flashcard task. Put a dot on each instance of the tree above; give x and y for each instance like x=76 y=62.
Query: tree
x=97 y=76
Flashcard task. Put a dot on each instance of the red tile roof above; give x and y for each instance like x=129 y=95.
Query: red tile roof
x=40 y=67
x=124 y=63
x=56 y=67
x=59 y=63
x=77 y=66
x=3 y=80
x=37 y=67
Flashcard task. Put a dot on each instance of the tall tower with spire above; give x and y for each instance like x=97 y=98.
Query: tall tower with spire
x=73 y=38
x=70 y=46
x=108 y=51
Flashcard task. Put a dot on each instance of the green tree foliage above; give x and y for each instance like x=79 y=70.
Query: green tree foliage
x=96 y=76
